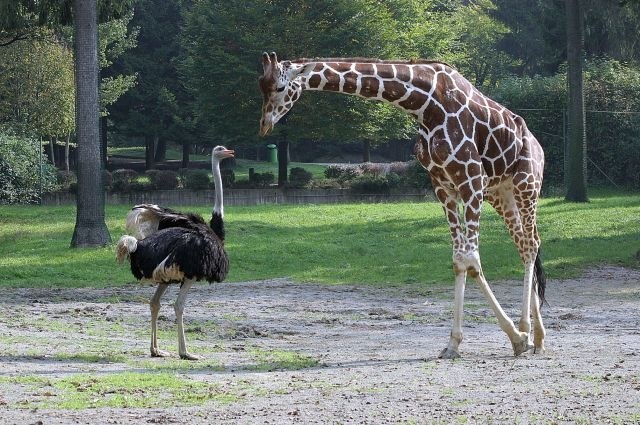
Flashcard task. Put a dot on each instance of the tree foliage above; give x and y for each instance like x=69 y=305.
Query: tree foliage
x=37 y=86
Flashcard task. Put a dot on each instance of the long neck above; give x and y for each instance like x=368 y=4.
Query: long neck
x=413 y=87
x=218 y=208
x=217 y=223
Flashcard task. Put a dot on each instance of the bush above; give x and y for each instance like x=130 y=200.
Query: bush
x=67 y=180
x=123 y=180
x=299 y=177
x=332 y=172
x=20 y=159
x=196 y=179
x=370 y=185
x=162 y=179
x=262 y=179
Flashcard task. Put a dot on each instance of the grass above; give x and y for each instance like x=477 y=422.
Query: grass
x=353 y=243
x=270 y=360
x=134 y=389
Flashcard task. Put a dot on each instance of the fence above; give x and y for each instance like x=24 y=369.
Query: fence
x=613 y=144
x=244 y=197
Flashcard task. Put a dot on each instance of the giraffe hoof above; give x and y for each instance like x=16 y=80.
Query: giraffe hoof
x=189 y=356
x=537 y=350
x=449 y=353
x=521 y=345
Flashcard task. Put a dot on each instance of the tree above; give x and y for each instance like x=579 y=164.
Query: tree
x=90 y=229
x=157 y=109
x=37 y=86
x=576 y=172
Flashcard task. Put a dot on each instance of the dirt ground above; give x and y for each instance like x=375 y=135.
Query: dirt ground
x=372 y=354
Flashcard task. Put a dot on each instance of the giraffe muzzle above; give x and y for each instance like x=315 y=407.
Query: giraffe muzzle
x=265 y=129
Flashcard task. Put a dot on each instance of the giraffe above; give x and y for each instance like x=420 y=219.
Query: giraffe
x=473 y=148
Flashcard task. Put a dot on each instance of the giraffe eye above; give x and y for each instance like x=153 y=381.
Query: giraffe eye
x=280 y=89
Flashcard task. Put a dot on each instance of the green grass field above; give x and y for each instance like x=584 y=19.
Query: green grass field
x=355 y=243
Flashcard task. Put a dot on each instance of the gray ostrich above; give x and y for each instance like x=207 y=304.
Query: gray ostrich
x=170 y=247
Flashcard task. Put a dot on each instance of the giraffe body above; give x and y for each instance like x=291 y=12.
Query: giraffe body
x=473 y=148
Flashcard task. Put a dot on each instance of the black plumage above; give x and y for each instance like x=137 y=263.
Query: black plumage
x=196 y=253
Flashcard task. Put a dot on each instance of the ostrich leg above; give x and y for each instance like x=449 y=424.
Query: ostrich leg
x=155 y=309
x=179 y=308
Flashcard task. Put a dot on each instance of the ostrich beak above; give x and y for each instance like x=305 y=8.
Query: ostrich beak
x=228 y=153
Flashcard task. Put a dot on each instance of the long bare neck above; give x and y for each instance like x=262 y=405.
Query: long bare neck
x=422 y=89
x=218 y=208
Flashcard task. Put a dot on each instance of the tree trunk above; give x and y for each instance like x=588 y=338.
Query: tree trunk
x=576 y=177
x=149 y=152
x=103 y=141
x=90 y=229
x=66 y=153
x=186 y=149
x=52 y=150
x=283 y=161
x=160 y=149
x=366 y=151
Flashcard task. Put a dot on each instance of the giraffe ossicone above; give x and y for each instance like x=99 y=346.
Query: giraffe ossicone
x=473 y=148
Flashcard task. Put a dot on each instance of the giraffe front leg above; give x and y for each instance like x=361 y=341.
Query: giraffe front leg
x=451 y=351
x=154 y=303
x=179 y=309
x=519 y=340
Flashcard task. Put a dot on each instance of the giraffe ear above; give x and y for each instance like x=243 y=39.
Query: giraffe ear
x=302 y=70
x=266 y=63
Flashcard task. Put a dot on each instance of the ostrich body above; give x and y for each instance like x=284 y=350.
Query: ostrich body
x=170 y=247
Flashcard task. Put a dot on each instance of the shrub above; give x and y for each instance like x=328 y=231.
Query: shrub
x=299 y=177
x=162 y=179
x=123 y=179
x=262 y=179
x=20 y=160
x=373 y=168
x=370 y=185
x=242 y=184
x=196 y=179
x=332 y=172
x=66 y=180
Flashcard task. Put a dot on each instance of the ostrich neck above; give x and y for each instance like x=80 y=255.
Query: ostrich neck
x=218 y=208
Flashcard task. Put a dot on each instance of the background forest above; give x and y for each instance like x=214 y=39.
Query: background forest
x=183 y=75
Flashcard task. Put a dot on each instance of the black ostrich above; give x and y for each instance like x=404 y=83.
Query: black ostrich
x=170 y=247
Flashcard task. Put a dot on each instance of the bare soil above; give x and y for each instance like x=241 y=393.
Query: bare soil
x=374 y=350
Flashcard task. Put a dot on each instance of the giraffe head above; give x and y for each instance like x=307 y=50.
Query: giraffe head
x=281 y=87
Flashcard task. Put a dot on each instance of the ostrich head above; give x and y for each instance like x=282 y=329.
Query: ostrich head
x=220 y=152
x=281 y=87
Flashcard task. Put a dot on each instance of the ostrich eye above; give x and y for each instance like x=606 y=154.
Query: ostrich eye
x=280 y=89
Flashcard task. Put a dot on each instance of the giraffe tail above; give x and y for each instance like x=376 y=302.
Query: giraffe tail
x=541 y=280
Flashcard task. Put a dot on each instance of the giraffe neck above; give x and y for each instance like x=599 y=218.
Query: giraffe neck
x=408 y=86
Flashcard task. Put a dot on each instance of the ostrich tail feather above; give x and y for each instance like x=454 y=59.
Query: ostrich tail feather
x=126 y=246
x=142 y=220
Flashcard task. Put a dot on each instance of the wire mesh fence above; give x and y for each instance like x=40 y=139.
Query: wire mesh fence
x=613 y=145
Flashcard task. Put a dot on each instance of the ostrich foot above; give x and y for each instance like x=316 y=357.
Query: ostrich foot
x=189 y=356
x=156 y=352
x=449 y=353
x=521 y=344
